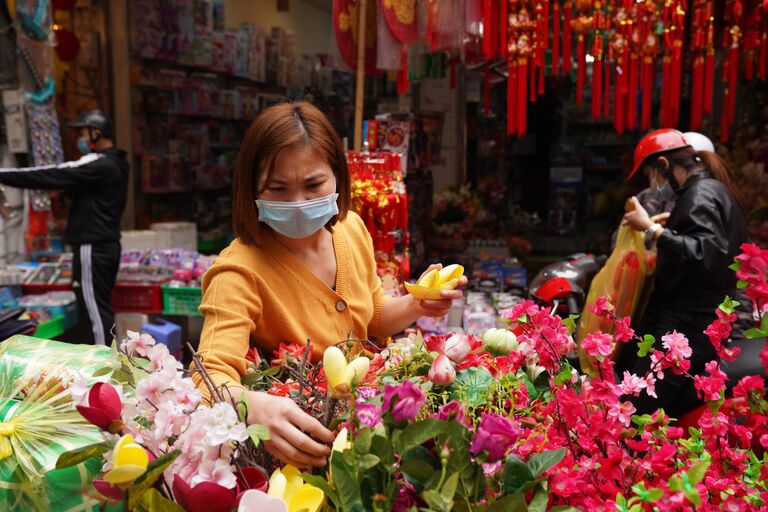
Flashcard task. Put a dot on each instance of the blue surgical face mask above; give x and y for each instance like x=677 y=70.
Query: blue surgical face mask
x=299 y=219
x=664 y=192
x=82 y=145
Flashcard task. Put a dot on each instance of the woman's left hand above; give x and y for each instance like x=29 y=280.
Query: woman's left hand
x=638 y=218
x=438 y=308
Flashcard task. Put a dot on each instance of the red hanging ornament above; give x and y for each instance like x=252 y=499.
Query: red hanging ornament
x=556 y=38
x=487 y=30
x=487 y=90
x=581 y=56
x=567 y=37
x=522 y=104
x=597 y=77
x=512 y=111
x=402 y=73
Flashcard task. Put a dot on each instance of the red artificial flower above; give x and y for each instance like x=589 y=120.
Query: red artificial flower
x=204 y=497
x=624 y=332
x=283 y=388
x=601 y=306
x=598 y=344
x=286 y=351
x=709 y=387
x=253 y=356
x=103 y=407
x=748 y=385
x=483 y=359
x=442 y=372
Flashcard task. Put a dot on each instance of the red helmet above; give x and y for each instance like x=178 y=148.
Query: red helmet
x=658 y=141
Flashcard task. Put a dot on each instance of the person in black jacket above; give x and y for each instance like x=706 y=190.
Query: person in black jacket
x=696 y=245
x=98 y=186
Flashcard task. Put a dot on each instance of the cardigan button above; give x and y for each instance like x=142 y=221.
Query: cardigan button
x=341 y=306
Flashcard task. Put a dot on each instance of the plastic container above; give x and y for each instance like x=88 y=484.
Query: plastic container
x=68 y=312
x=139 y=240
x=50 y=329
x=9 y=295
x=183 y=301
x=137 y=298
x=165 y=332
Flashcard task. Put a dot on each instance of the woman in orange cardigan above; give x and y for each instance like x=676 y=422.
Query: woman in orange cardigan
x=302 y=267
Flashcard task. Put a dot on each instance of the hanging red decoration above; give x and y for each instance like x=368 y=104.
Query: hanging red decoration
x=521 y=28
x=67 y=44
x=556 y=38
x=345 y=30
x=401 y=18
x=567 y=36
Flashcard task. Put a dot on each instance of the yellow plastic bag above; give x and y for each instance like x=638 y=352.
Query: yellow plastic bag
x=624 y=279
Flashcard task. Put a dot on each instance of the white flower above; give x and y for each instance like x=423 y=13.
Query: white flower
x=170 y=420
x=138 y=344
x=217 y=471
x=225 y=426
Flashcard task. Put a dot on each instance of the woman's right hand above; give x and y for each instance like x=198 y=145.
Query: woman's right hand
x=297 y=438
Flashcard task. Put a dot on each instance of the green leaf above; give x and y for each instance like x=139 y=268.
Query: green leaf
x=516 y=475
x=417 y=469
x=437 y=501
x=322 y=484
x=693 y=496
x=511 y=503
x=754 y=333
x=564 y=376
x=258 y=433
x=645 y=346
x=642 y=420
x=347 y=486
x=735 y=266
x=740 y=285
x=539 y=501
x=155 y=470
x=570 y=323
x=106 y=370
x=675 y=484
x=698 y=471
x=563 y=508
x=541 y=462
x=450 y=485
x=75 y=457
x=363 y=441
x=729 y=305
x=471 y=386
x=654 y=495
x=153 y=501
x=368 y=461
x=418 y=433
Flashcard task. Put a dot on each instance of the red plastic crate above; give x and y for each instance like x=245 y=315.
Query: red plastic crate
x=137 y=298
x=39 y=289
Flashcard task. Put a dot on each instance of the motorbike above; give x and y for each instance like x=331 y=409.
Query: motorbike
x=563 y=285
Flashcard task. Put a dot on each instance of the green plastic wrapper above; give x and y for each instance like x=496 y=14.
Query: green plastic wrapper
x=38 y=423
x=21 y=352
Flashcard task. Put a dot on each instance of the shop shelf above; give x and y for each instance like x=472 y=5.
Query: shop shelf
x=50 y=329
x=182 y=301
x=137 y=298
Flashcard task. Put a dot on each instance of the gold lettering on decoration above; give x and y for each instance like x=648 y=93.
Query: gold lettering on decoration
x=348 y=20
x=405 y=10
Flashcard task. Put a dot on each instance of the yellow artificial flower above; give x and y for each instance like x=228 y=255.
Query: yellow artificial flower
x=435 y=281
x=287 y=485
x=342 y=375
x=129 y=462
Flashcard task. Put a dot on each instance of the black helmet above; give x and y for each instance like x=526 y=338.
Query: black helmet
x=94 y=119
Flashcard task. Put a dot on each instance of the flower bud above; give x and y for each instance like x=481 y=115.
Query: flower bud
x=442 y=372
x=499 y=342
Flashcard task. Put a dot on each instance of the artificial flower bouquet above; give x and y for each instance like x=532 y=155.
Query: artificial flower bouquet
x=162 y=448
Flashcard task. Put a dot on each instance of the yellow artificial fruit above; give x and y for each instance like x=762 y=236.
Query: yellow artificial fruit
x=342 y=375
x=435 y=281
x=129 y=462
x=287 y=485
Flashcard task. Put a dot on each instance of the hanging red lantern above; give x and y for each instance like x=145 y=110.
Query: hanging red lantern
x=346 y=30
x=67 y=45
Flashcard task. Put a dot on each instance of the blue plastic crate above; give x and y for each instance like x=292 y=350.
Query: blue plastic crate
x=69 y=312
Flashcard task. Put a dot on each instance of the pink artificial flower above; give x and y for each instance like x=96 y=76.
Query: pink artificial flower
x=753 y=262
x=677 y=345
x=453 y=410
x=138 y=344
x=404 y=402
x=624 y=332
x=598 y=344
x=369 y=415
x=601 y=306
x=458 y=346
x=218 y=471
x=526 y=307
x=170 y=419
x=495 y=435
x=632 y=384
x=748 y=385
x=650 y=385
x=103 y=407
x=710 y=387
x=442 y=373
x=713 y=425
x=622 y=412
x=764 y=441
x=674 y=433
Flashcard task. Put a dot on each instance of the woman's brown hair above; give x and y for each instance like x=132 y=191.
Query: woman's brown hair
x=720 y=171
x=277 y=128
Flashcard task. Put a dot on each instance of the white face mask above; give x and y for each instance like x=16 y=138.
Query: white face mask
x=299 y=219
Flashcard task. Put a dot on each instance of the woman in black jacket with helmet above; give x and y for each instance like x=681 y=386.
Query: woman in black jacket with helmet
x=696 y=245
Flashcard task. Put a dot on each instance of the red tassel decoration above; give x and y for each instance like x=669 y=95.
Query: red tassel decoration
x=619 y=97
x=697 y=97
x=749 y=70
x=632 y=79
x=581 y=72
x=763 y=68
x=709 y=79
x=556 y=38
x=532 y=77
x=402 y=74
x=503 y=28
x=567 y=37
x=597 y=79
x=733 y=76
x=645 y=121
x=512 y=121
x=487 y=91
x=607 y=90
x=522 y=105
x=487 y=30
x=494 y=26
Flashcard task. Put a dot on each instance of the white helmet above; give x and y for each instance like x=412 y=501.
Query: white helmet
x=699 y=141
